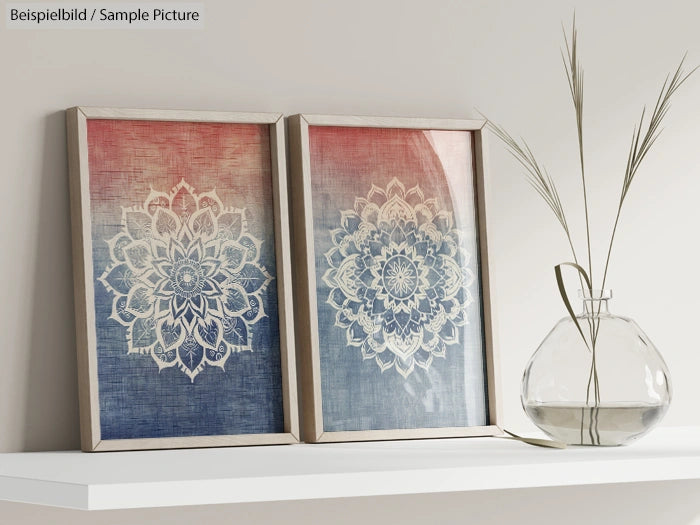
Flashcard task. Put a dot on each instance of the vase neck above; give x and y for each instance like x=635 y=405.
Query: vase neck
x=595 y=302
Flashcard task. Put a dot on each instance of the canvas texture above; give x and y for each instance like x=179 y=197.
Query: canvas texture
x=397 y=279
x=184 y=279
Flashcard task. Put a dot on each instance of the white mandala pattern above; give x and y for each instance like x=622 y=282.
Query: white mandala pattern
x=186 y=278
x=398 y=278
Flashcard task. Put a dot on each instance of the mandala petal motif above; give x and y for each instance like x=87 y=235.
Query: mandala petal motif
x=142 y=334
x=187 y=281
x=120 y=279
x=398 y=277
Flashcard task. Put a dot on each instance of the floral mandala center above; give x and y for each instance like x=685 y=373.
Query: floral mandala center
x=398 y=278
x=187 y=279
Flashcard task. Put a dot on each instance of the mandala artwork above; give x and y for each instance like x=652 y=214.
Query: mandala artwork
x=186 y=278
x=398 y=278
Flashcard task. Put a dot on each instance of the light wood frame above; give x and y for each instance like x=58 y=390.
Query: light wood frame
x=76 y=120
x=307 y=334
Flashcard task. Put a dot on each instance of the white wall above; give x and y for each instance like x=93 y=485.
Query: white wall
x=392 y=57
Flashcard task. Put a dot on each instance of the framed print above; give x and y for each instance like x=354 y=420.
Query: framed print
x=393 y=305
x=182 y=279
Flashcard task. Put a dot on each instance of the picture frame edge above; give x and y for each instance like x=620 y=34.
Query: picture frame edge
x=76 y=123
x=284 y=276
x=316 y=432
x=490 y=321
x=312 y=420
x=410 y=434
x=190 y=442
x=179 y=115
x=453 y=124
x=78 y=170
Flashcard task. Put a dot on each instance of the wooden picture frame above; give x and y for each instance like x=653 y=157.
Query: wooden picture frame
x=314 y=176
x=114 y=156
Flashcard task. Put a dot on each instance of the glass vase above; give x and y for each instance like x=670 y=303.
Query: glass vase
x=602 y=382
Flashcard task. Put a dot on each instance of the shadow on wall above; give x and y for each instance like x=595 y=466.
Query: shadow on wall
x=51 y=417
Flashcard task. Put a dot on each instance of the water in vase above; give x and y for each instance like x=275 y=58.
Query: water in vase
x=608 y=424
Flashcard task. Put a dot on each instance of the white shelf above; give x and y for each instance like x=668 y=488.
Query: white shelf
x=119 y=480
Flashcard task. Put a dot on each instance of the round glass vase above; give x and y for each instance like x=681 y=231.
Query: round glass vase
x=607 y=387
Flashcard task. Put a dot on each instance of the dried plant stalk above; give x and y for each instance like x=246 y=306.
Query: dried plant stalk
x=544 y=185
